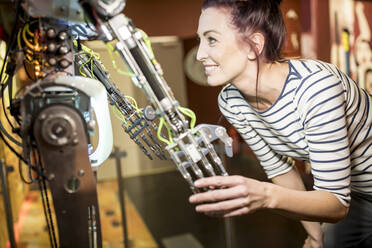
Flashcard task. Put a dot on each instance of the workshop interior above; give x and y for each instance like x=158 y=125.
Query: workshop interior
x=106 y=121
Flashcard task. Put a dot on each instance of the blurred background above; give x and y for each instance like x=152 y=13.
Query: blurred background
x=156 y=197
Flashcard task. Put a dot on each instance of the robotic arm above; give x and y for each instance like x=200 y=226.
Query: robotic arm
x=189 y=147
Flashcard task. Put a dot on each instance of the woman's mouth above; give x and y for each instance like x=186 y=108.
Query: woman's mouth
x=209 y=69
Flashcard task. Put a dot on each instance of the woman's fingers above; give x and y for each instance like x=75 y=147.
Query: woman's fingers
x=223 y=205
x=219 y=194
x=219 y=181
x=237 y=212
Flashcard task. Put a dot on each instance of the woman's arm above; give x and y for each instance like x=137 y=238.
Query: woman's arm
x=237 y=195
x=293 y=180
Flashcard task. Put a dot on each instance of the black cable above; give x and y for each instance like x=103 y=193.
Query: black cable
x=11 y=42
x=21 y=173
x=46 y=213
x=22 y=158
x=12 y=35
x=30 y=170
x=11 y=138
x=46 y=205
x=3 y=86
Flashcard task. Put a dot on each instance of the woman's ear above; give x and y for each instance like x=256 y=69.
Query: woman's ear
x=257 y=44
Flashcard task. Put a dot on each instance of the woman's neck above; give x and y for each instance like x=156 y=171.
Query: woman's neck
x=271 y=81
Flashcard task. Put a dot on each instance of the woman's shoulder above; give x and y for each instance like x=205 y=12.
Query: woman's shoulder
x=228 y=91
x=307 y=65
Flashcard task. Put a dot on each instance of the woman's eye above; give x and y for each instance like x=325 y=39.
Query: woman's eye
x=211 y=40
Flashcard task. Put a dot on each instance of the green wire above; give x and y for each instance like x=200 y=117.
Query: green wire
x=161 y=123
x=147 y=41
x=110 y=49
x=189 y=113
x=118 y=114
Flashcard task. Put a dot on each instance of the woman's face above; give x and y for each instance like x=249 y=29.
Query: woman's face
x=223 y=55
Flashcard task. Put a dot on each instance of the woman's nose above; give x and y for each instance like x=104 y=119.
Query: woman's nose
x=201 y=54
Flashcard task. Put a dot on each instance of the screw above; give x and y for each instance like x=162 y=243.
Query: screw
x=81 y=173
x=51 y=177
x=42 y=117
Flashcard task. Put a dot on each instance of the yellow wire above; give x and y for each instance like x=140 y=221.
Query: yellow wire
x=134 y=103
x=147 y=42
x=26 y=40
x=83 y=64
x=160 y=127
x=28 y=30
x=190 y=114
x=19 y=39
x=118 y=114
x=110 y=49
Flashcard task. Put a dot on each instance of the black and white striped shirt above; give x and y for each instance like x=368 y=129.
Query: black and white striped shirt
x=321 y=116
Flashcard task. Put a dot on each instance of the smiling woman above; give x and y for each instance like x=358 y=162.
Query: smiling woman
x=304 y=109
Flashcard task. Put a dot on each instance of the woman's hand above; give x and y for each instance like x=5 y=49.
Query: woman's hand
x=311 y=242
x=315 y=235
x=230 y=196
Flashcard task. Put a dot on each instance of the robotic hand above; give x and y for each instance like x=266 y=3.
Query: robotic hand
x=189 y=147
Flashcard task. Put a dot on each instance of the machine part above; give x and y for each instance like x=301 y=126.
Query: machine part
x=46 y=44
x=72 y=194
x=7 y=203
x=108 y=8
x=139 y=125
x=97 y=93
x=59 y=129
x=149 y=113
x=117 y=155
x=45 y=92
x=143 y=64
x=63 y=10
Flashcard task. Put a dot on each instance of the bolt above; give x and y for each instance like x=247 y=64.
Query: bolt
x=63 y=50
x=62 y=36
x=51 y=33
x=75 y=141
x=51 y=177
x=42 y=117
x=81 y=173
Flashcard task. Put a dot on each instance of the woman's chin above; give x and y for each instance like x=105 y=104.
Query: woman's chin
x=215 y=82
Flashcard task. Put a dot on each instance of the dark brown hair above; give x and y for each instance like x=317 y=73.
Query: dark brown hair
x=250 y=16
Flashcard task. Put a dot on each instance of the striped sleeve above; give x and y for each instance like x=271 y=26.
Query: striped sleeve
x=273 y=164
x=321 y=103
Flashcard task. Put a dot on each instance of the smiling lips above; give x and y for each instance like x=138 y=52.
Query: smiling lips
x=209 y=69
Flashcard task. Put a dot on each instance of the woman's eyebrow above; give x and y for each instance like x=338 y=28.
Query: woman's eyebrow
x=207 y=32
x=210 y=31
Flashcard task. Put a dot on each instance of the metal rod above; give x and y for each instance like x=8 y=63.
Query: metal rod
x=7 y=204
x=118 y=155
x=228 y=221
x=228 y=232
